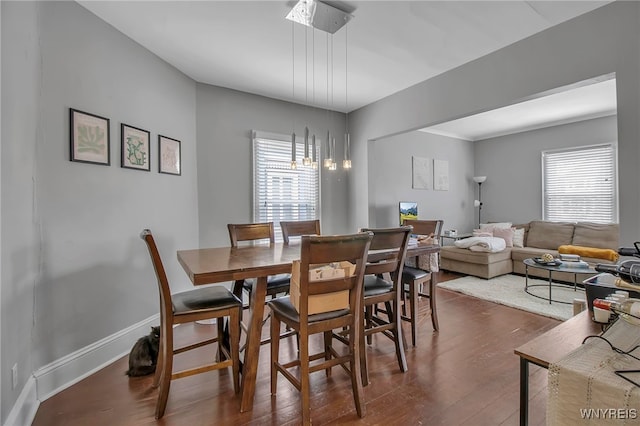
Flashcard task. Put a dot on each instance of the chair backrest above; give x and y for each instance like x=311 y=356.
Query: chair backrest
x=166 y=307
x=251 y=232
x=322 y=250
x=299 y=228
x=425 y=227
x=388 y=251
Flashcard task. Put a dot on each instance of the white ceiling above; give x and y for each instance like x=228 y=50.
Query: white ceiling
x=391 y=45
x=567 y=106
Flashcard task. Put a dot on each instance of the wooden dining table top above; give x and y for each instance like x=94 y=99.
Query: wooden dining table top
x=211 y=265
x=219 y=264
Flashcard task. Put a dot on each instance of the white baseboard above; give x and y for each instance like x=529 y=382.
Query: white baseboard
x=68 y=370
x=25 y=408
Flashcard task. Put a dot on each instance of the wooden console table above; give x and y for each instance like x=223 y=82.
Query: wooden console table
x=549 y=348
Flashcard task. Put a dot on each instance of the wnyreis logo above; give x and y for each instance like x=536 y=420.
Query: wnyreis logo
x=609 y=413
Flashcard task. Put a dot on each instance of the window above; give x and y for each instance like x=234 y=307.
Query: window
x=280 y=193
x=580 y=184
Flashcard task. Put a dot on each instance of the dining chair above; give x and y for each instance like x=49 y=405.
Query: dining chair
x=416 y=278
x=322 y=250
x=190 y=306
x=252 y=233
x=299 y=228
x=257 y=233
x=382 y=284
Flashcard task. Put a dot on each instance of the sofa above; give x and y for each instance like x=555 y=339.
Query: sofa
x=538 y=237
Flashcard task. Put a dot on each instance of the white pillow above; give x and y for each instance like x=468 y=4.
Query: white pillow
x=493 y=225
x=505 y=234
x=518 y=237
x=483 y=232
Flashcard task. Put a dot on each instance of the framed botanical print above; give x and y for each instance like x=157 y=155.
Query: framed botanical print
x=169 y=155
x=134 y=147
x=89 y=138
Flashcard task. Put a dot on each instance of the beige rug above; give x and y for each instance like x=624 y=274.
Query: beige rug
x=509 y=290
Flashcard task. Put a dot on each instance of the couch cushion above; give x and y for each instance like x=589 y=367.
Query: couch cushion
x=494 y=225
x=549 y=235
x=518 y=237
x=597 y=235
x=466 y=255
x=525 y=227
x=505 y=234
x=520 y=254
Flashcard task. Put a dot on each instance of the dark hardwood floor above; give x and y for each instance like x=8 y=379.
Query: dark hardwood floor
x=465 y=374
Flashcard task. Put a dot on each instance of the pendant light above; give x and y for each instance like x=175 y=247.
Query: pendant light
x=306 y=160
x=333 y=165
x=328 y=160
x=346 y=163
x=314 y=160
x=294 y=164
x=327 y=18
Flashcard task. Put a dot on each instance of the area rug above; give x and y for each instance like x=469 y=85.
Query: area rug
x=509 y=290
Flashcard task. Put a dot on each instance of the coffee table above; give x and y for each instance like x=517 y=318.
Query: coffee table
x=563 y=267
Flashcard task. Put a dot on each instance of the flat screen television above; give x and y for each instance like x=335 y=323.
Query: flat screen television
x=408 y=210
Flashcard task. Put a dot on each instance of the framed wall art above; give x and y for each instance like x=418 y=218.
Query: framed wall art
x=422 y=173
x=169 y=155
x=135 y=148
x=89 y=138
x=440 y=175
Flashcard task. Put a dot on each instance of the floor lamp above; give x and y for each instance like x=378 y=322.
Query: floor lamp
x=478 y=203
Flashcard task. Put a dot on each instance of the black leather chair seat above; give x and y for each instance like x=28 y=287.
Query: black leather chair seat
x=412 y=274
x=214 y=297
x=275 y=283
x=284 y=307
x=374 y=285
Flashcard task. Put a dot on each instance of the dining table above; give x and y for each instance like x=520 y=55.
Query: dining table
x=223 y=264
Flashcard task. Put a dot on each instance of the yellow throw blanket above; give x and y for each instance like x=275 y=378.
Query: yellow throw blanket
x=596 y=253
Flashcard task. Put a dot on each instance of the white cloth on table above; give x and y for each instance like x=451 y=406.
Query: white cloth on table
x=483 y=244
x=584 y=384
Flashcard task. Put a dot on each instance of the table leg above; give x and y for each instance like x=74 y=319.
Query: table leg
x=524 y=392
x=432 y=301
x=252 y=349
x=550 y=283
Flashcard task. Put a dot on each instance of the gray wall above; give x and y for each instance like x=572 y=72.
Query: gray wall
x=513 y=190
x=224 y=124
x=390 y=160
x=73 y=268
x=20 y=232
x=603 y=41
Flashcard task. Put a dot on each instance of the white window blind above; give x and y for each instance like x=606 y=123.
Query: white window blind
x=280 y=193
x=580 y=184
